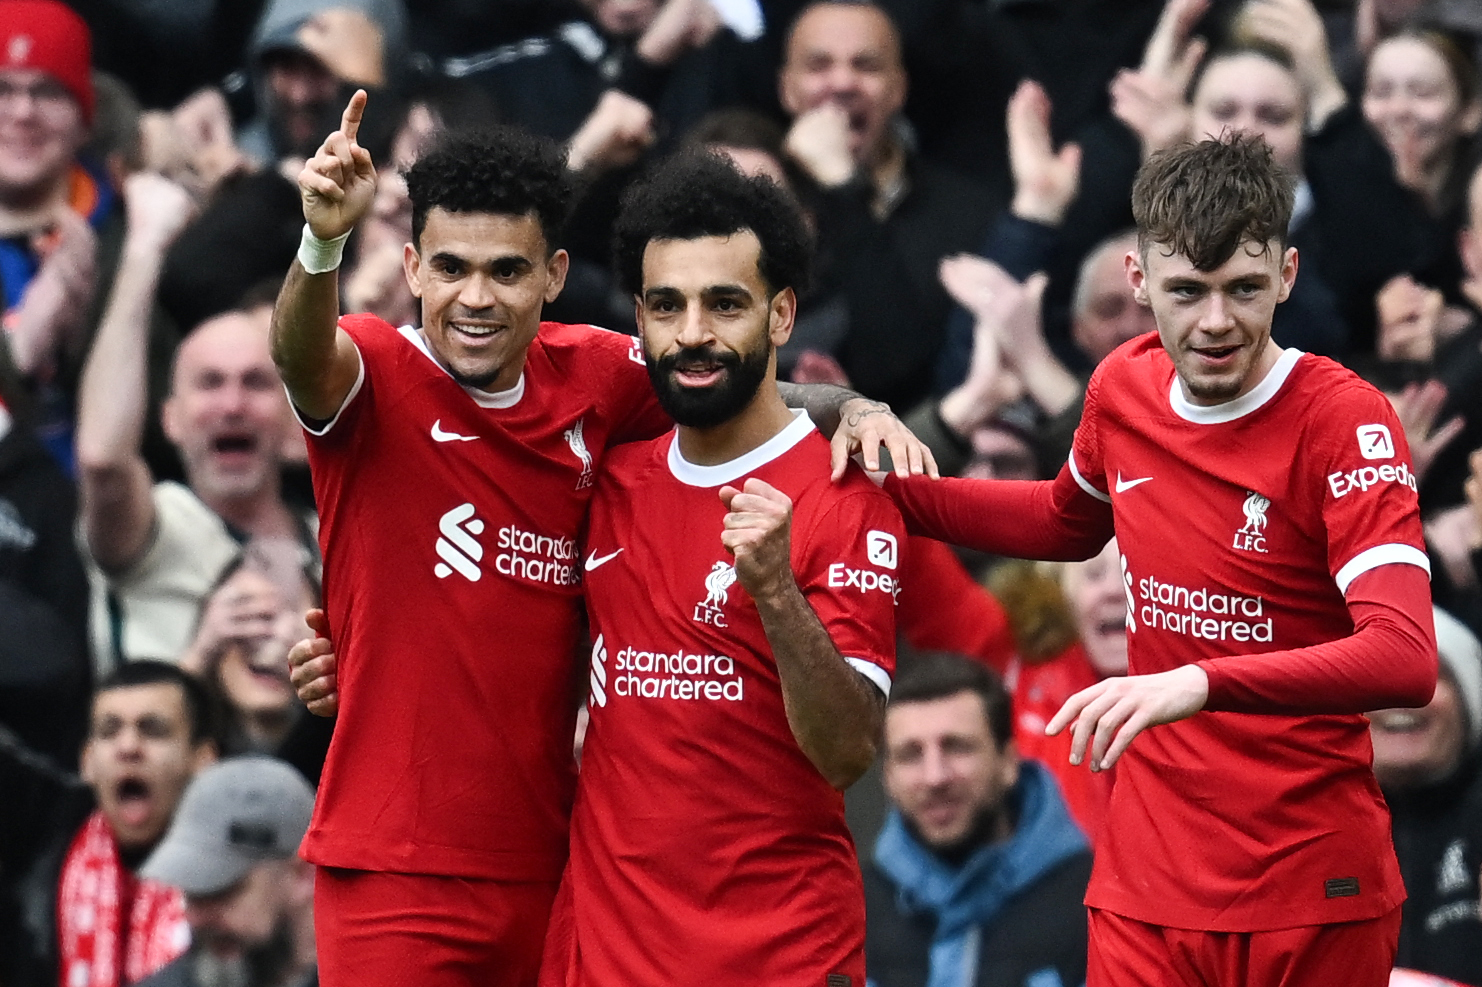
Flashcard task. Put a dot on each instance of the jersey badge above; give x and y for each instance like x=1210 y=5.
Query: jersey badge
x=1375 y=442
x=1252 y=535
x=717 y=586
x=459 y=550
x=579 y=449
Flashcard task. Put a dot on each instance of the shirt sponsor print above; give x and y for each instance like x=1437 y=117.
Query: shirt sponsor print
x=1200 y=612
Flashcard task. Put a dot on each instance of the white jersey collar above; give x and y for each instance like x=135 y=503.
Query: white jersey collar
x=484 y=399
x=1215 y=414
x=689 y=474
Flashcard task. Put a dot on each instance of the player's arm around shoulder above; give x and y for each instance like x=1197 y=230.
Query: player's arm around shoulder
x=834 y=712
x=317 y=360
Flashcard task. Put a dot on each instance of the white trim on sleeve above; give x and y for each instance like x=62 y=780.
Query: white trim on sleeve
x=322 y=430
x=1373 y=558
x=877 y=675
x=1084 y=483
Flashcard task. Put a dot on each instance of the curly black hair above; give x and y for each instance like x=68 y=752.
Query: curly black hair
x=698 y=193
x=498 y=170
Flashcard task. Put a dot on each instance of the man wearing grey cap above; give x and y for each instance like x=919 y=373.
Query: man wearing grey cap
x=1429 y=765
x=233 y=849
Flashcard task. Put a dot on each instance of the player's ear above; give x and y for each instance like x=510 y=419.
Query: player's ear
x=411 y=266
x=555 y=270
x=781 y=314
x=1136 y=276
x=1288 y=273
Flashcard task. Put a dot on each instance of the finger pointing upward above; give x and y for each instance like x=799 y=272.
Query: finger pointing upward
x=350 y=122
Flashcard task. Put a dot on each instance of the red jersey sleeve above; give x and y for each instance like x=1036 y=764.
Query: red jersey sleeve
x=973 y=622
x=1389 y=660
x=1086 y=464
x=371 y=336
x=1376 y=555
x=1370 y=508
x=849 y=572
x=635 y=410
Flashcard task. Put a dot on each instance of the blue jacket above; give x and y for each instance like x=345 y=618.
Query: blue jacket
x=1011 y=914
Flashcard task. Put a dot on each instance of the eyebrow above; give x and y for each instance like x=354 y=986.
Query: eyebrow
x=518 y=260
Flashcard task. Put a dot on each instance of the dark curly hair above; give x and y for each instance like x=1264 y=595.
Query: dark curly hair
x=697 y=193
x=1203 y=200
x=499 y=170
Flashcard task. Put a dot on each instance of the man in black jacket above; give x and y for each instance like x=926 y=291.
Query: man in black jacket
x=1428 y=767
x=979 y=873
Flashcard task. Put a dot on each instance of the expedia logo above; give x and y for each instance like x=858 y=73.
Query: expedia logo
x=459 y=550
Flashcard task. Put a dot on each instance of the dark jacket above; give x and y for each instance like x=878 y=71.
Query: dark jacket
x=1013 y=909
x=44 y=808
x=45 y=673
x=886 y=273
x=1438 y=840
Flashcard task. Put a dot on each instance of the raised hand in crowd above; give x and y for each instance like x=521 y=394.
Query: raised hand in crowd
x=1418 y=406
x=1297 y=27
x=348 y=43
x=338 y=184
x=247 y=612
x=679 y=26
x=1409 y=319
x=192 y=144
x=1151 y=99
x=52 y=314
x=819 y=141
x=1045 y=181
x=1010 y=313
x=614 y=135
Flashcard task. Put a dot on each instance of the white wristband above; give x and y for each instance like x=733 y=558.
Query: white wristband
x=321 y=256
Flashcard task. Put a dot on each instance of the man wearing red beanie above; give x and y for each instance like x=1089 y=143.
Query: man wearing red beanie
x=53 y=210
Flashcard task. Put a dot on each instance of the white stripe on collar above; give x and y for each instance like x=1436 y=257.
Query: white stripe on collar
x=1215 y=414
x=689 y=474
x=484 y=399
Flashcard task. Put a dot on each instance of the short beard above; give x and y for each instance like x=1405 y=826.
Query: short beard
x=479 y=382
x=707 y=407
x=979 y=834
x=263 y=965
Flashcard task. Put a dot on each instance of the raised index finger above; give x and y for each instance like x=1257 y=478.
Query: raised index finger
x=350 y=122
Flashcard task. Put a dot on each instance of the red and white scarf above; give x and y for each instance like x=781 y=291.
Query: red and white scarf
x=114 y=929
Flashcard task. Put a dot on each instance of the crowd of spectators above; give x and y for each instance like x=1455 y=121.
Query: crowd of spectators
x=965 y=166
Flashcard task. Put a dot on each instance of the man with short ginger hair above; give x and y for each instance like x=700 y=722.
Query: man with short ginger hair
x=1265 y=510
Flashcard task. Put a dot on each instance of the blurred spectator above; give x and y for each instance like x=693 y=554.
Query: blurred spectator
x=303 y=58
x=673 y=58
x=45 y=679
x=978 y=875
x=160 y=547
x=53 y=207
x=1421 y=95
x=1354 y=225
x=248 y=623
x=885 y=217
x=1428 y=766
x=168 y=49
x=249 y=899
x=75 y=911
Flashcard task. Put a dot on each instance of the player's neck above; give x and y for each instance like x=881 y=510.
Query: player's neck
x=759 y=421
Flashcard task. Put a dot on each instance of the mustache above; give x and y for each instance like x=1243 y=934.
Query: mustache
x=693 y=357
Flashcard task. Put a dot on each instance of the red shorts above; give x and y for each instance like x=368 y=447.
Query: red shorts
x=374 y=929
x=1128 y=953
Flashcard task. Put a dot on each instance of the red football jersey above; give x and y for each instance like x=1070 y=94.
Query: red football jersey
x=448 y=520
x=1241 y=527
x=706 y=847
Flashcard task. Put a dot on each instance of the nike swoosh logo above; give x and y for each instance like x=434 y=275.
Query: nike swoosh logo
x=438 y=435
x=1124 y=485
x=593 y=561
